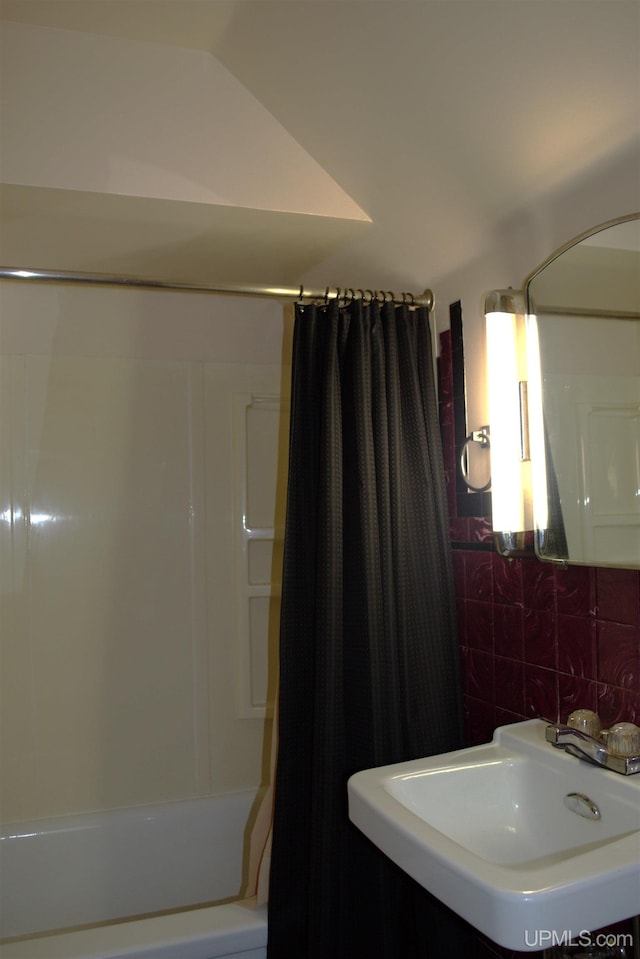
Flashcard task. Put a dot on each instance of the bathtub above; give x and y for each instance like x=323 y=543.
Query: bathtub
x=159 y=882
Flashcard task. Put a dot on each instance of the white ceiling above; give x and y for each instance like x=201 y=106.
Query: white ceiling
x=440 y=119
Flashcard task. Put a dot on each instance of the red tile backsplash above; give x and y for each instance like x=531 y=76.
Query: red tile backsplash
x=540 y=648
x=519 y=614
x=507 y=582
x=577 y=646
x=575 y=590
x=538 y=585
x=479 y=576
x=508 y=632
x=618 y=596
x=618 y=655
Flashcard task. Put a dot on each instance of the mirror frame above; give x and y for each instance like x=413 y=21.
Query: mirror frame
x=616 y=221
x=539 y=535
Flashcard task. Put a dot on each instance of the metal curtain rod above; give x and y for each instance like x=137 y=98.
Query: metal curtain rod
x=133 y=282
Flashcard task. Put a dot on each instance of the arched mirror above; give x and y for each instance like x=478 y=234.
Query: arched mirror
x=585 y=305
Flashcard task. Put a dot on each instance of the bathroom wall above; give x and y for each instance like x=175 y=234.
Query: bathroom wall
x=146 y=122
x=517 y=245
x=139 y=439
x=535 y=640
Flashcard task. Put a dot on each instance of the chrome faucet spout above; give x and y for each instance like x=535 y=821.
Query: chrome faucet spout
x=564 y=736
x=580 y=744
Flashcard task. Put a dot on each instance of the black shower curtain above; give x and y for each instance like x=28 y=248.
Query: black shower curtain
x=368 y=651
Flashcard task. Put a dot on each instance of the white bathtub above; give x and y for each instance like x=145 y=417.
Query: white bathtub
x=98 y=868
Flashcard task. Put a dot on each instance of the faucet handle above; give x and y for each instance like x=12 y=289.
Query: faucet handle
x=586 y=721
x=623 y=739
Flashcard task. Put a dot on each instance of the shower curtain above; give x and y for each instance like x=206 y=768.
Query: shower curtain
x=368 y=651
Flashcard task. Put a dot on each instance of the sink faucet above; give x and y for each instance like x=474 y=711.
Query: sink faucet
x=594 y=749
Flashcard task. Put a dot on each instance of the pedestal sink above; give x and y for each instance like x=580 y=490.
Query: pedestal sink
x=527 y=843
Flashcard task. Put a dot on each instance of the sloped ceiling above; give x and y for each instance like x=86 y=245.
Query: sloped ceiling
x=435 y=120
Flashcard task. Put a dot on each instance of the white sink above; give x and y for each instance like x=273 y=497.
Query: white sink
x=488 y=831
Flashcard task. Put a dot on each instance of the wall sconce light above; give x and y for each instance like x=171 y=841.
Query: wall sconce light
x=507 y=373
x=537 y=445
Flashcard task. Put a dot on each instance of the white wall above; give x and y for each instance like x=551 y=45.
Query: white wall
x=114 y=116
x=511 y=252
x=122 y=643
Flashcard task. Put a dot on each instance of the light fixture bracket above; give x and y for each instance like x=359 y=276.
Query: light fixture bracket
x=505 y=301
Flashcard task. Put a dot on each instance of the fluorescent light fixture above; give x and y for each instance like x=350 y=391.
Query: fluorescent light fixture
x=536 y=428
x=507 y=386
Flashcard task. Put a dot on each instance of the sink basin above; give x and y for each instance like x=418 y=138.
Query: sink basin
x=490 y=831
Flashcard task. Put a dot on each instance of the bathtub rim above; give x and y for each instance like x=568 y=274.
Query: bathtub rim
x=229 y=815
x=210 y=932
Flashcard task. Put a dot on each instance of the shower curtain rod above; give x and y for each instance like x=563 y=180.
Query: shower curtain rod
x=299 y=293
